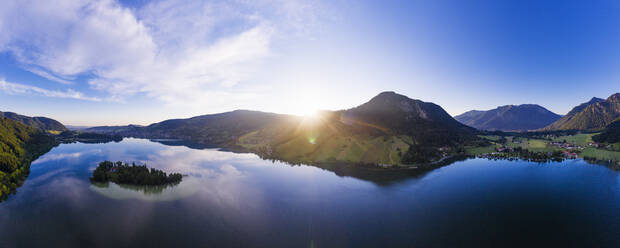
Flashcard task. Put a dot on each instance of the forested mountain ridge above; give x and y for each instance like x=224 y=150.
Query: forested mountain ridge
x=592 y=115
x=214 y=129
x=42 y=123
x=611 y=134
x=509 y=118
x=19 y=145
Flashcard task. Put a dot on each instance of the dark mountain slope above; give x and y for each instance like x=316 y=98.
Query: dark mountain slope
x=42 y=123
x=595 y=115
x=509 y=118
x=426 y=122
x=215 y=129
x=611 y=134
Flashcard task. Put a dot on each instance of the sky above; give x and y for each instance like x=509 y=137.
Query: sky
x=112 y=62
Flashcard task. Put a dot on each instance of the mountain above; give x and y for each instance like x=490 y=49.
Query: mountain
x=215 y=129
x=382 y=130
x=568 y=117
x=114 y=130
x=76 y=128
x=397 y=114
x=42 y=123
x=595 y=114
x=19 y=145
x=509 y=118
x=611 y=134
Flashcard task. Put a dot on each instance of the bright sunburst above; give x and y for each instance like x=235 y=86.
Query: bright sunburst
x=310 y=113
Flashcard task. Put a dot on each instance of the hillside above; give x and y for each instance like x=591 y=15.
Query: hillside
x=19 y=145
x=509 y=118
x=220 y=130
x=595 y=114
x=389 y=129
x=380 y=131
x=42 y=123
x=611 y=134
x=568 y=117
x=114 y=130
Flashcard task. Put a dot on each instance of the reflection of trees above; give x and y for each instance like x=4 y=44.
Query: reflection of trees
x=188 y=144
x=611 y=164
x=146 y=189
x=367 y=172
x=387 y=176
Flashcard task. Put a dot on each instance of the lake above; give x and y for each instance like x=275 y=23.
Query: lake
x=239 y=200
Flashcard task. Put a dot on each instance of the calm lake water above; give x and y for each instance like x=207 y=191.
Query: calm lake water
x=239 y=200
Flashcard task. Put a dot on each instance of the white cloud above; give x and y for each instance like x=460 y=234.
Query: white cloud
x=175 y=51
x=21 y=89
x=47 y=75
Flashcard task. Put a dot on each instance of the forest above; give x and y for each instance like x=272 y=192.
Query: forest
x=124 y=173
x=19 y=145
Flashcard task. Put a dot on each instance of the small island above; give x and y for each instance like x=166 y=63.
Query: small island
x=124 y=173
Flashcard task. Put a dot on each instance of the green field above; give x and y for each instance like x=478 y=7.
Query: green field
x=310 y=147
x=490 y=137
x=313 y=147
x=538 y=145
x=581 y=139
x=480 y=150
x=600 y=154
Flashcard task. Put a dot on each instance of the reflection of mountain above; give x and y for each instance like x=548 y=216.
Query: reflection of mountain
x=146 y=189
x=382 y=177
x=378 y=176
x=178 y=142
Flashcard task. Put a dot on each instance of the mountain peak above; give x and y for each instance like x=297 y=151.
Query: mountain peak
x=614 y=98
x=39 y=122
x=387 y=95
x=390 y=101
x=595 y=100
x=401 y=114
x=509 y=118
x=590 y=115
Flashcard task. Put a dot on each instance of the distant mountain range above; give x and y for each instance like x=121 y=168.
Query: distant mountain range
x=509 y=118
x=594 y=114
x=42 y=123
x=380 y=131
x=388 y=129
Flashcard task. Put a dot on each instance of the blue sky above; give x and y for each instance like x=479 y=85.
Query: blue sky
x=120 y=62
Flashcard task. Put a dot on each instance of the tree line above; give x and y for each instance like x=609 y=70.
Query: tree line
x=124 y=173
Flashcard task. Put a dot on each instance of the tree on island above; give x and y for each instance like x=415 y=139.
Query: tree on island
x=133 y=174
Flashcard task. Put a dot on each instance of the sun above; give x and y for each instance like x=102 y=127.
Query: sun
x=309 y=113
x=307 y=103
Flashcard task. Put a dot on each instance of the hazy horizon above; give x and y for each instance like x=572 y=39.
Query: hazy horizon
x=90 y=63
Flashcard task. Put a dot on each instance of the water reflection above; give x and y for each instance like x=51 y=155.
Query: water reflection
x=141 y=192
x=239 y=200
